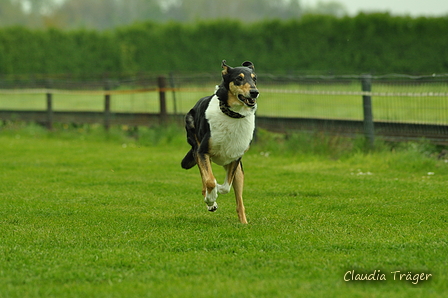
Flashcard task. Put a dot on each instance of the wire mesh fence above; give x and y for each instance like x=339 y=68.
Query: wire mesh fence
x=399 y=103
x=406 y=99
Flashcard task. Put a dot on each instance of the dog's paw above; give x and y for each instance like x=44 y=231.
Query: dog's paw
x=224 y=188
x=213 y=208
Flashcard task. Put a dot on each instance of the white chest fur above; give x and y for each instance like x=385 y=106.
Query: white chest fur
x=230 y=137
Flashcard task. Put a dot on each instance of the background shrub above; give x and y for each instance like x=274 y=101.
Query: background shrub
x=376 y=43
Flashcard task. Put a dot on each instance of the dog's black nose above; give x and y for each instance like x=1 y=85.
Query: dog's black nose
x=254 y=93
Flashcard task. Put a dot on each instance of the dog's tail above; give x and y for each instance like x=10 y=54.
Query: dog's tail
x=189 y=161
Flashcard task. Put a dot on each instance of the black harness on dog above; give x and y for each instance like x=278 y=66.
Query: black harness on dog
x=226 y=110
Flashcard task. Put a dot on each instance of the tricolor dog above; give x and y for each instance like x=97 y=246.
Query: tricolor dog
x=219 y=129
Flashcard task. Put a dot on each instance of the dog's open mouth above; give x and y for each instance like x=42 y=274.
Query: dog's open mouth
x=247 y=100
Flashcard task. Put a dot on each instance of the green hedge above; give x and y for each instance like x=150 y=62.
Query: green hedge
x=376 y=43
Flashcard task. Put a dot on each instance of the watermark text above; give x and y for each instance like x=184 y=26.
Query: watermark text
x=396 y=275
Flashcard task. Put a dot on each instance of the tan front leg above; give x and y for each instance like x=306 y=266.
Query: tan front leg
x=209 y=189
x=238 y=183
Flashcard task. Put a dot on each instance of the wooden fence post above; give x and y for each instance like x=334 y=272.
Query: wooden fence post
x=161 y=82
x=369 y=131
x=107 y=87
x=49 y=106
x=172 y=85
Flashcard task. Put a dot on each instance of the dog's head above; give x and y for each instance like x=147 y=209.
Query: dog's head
x=241 y=82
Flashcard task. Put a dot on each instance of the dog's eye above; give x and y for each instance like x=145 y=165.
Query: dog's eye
x=240 y=79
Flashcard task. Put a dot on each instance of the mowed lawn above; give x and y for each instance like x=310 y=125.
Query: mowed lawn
x=86 y=216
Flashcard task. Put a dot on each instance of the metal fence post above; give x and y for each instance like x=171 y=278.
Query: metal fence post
x=161 y=83
x=369 y=131
x=107 y=88
x=49 y=106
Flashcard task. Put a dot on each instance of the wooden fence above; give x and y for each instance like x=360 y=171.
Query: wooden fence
x=107 y=117
x=367 y=127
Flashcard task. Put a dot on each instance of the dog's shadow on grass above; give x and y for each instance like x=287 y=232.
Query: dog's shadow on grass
x=193 y=221
x=294 y=194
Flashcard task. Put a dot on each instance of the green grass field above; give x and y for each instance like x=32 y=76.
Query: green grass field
x=85 y=214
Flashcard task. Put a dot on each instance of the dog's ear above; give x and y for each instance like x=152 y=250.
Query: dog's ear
x=248 y=64
x=225 y=67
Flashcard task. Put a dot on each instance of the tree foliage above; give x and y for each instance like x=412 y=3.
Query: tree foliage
x=107 y=14
x=376 y=43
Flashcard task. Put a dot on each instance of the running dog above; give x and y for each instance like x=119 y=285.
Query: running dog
x=220 y=128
